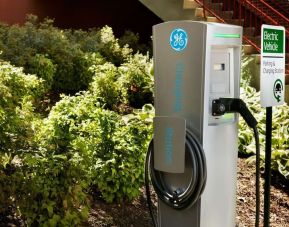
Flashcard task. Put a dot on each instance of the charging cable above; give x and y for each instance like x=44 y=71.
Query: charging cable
x=231 y=105
x=178 y=199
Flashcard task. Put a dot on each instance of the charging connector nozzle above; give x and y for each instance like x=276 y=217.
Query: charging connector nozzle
x=233 y=105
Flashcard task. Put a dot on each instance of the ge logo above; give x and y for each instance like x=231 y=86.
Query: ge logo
x=179 y=39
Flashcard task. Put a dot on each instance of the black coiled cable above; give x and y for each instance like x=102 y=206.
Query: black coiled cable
x=178 y=199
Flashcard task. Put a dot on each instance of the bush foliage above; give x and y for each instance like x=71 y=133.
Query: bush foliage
x=109 y=147
x=63 y=53
x=49 y=165
x=18 y=93
x=131 y=83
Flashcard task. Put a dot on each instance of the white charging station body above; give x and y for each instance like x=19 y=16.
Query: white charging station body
x=194 y=63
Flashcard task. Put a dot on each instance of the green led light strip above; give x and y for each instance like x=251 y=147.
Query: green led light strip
x=228 y=116
x=227 y=35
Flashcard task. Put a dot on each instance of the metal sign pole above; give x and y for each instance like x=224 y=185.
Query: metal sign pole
x=267 y=166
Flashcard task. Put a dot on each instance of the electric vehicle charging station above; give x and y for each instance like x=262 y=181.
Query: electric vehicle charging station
x=193 y=156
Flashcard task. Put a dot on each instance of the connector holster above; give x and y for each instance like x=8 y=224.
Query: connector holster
x=233 y=105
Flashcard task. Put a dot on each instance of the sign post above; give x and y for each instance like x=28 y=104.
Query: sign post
x=272 y=93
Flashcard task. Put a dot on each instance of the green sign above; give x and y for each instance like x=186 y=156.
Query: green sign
x=272 y=72
x=273 y=41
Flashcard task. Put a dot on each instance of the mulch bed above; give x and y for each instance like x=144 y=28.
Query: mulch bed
x=135 y=213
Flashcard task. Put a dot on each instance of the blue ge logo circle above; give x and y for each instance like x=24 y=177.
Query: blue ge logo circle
x=179 y=39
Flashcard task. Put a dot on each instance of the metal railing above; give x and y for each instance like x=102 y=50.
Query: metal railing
x=279 y=17
x=282 y=6
x=250 y=14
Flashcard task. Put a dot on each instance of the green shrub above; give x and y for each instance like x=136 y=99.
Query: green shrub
x=119 y=156
x=53 y=190
x=18 y=92
x=136 y=80
x=43 y=68
x=64 y=54
x=55 y=175
x=133 y=41
x=23 y=46
x=104 y=42
x=11 y=179
x=72 y=71
x=129 y=84
x=108 y=147
x=100 y=41
x=105 y=85
x=45 y=187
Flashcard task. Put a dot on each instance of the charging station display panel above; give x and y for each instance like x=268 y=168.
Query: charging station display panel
x=221 y=80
